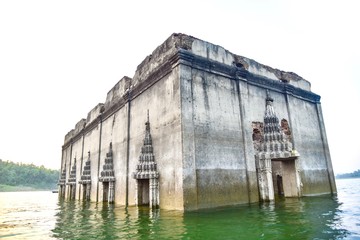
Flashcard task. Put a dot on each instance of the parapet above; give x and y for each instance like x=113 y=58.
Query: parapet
x=69 y=135
x=117 y=92
x=92 y=115
x=158 y=57
x=275 y=74
x=211 y=52
x=95 y=112
x=80 y=126
x=164 y=54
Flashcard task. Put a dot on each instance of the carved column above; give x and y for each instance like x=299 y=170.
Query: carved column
x=154 y=193
x=266 y=186
x=111 y=197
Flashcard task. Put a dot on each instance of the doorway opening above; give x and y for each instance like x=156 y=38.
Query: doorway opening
x=143 y=191
x=284 y=178
x=280 y=188
x=105 y=191
x=62 y=191
x=84 y=192
x=72 y=190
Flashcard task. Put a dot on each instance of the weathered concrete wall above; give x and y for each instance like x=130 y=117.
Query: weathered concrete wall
x=310 y=145
x=214 y=139
x=114 y=130
x=76 y=154
x=94 y=113
x=119 y=137
x=247 y=132
x=91 y=144
x=68 y=136
x=253 y=107
x=304 y=124
x=166 y=131
x=163 y=102
x=219 y=152
x=202 y=101
x=219 y=54
x=203 y=97
x=221 y=111
x=66 y=156
x=190 y=193
x=117 y=92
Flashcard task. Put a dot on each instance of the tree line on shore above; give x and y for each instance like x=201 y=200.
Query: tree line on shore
x=355 y=174
x=27 y=175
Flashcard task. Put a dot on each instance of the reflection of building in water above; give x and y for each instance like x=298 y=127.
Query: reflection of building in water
x=215 y=138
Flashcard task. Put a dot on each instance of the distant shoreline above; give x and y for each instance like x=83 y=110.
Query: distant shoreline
x=339 y=177
x=355 y=174
x=8 y=188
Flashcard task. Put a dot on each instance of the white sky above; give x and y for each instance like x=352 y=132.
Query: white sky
x=58 y=59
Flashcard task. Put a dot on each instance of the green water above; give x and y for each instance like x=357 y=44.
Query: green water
x=321 y=217
x=307 y=218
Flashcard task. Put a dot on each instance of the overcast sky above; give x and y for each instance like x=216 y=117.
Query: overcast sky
x=58 y=59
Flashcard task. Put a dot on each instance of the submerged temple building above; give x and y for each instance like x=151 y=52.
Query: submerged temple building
x=197 y=127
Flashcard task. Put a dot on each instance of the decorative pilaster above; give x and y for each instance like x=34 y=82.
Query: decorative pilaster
x=265 y=180
x=85 y=179
x=107 y=175
x=111 y=197
x=146 y=169
x=88 y=191
x=274 y=146
x=154 y=192
x=62 y=183
x=72 y=181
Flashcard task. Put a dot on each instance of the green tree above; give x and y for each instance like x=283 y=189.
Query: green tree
x=355 y=174
x=15 y=174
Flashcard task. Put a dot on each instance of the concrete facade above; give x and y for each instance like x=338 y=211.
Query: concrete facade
x=203 y=109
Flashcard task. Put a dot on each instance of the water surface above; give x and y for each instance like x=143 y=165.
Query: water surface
x=39 y=215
